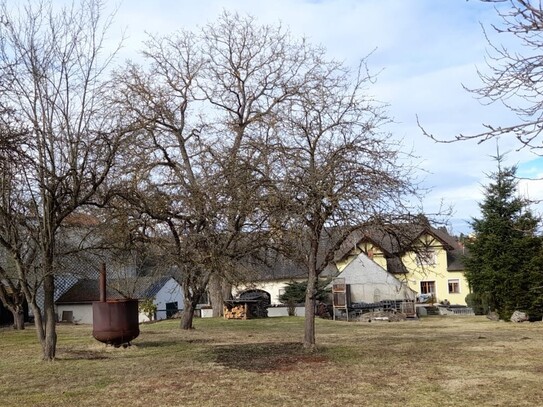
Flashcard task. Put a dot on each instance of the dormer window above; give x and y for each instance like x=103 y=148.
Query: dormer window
x=426 y=257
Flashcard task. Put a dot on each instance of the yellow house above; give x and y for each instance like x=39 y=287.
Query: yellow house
x=427 y=259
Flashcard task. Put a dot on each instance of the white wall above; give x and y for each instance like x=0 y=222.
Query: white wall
x=272 y=287
x=82 y=313
x=283 y=311
x=170 y=292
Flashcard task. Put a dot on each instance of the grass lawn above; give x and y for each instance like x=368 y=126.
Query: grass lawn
x=437 y=361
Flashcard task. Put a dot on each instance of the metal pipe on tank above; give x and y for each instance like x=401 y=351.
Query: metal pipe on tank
x=103 y=283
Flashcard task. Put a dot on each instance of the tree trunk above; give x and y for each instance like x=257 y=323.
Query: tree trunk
x=18 y=318
x=226 y=291
x=220 y=290
x=188 y=315
x=309 y=331
x=38 y=321
x=49 y=344
x=216 y=295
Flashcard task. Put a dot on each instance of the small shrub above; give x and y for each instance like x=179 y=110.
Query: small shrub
x=479 y=303
x=148 y=307
x=295 y=294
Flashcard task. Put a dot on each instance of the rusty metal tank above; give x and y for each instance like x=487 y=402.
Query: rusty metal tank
x=114 y=322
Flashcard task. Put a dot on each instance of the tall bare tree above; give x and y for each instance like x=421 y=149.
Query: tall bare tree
x=12 y=139
x=52 y=64
x=335 y=170
x=165 y=176
x=205 y=105
x=253 y=71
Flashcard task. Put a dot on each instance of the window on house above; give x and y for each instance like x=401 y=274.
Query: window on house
x=426 y=257
x=454 y=286
x=427 y=287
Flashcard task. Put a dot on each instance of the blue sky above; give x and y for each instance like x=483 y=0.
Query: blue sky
x=423 y=50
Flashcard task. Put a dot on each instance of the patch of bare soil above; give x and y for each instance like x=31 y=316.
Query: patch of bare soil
x=266 y=357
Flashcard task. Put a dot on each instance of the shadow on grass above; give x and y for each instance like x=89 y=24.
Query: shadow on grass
x=75 y=354
x=266 y=357
x=171 y=342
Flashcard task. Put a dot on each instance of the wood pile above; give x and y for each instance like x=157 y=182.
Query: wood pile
x=245 y=309
x=235 y=312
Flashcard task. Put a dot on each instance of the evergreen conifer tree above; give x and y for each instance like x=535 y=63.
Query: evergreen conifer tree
x=505 y=263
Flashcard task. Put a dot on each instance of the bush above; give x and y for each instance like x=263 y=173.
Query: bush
x=479 y=303
x=295 y=294
x=148 y=307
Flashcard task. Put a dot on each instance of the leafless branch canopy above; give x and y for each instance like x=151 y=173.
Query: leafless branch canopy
x=514 y=78
x=52 y=67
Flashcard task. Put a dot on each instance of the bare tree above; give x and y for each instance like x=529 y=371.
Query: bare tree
x=166 y=176
x=12 y=139
x=514 y=78
x=252 y=72
x=52 y=77
x=335 y=170
x=12 y=297
x=205 y=105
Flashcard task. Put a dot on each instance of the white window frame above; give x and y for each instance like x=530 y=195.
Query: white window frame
x=428 y=282
x=453 y=280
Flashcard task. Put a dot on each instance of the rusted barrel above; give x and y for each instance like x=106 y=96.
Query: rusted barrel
x=115 y=322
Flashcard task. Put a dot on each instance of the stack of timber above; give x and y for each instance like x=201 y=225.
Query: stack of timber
x=236 y=312
x=245 y=309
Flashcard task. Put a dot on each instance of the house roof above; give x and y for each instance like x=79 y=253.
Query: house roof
x=395 y=265
x=395 y=240
x=87 y=290
x=455 y=260
x=271 y=265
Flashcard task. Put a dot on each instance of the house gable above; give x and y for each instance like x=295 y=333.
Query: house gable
x=428 y=258
x=369 y=282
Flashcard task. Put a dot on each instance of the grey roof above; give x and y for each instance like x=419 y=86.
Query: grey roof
x=87 y=290
x=395 y=265
x=394 y=240
x=271 y=265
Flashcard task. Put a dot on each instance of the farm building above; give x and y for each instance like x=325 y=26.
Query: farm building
x=75 y=305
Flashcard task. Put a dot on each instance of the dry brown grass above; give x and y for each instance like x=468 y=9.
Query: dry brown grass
x=432 y=362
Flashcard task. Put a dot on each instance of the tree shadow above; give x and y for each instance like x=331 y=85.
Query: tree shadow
x=266 y=357
x=82 y=354
x=171 y=342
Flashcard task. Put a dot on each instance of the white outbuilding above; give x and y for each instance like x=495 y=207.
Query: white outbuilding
x=75 y=305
